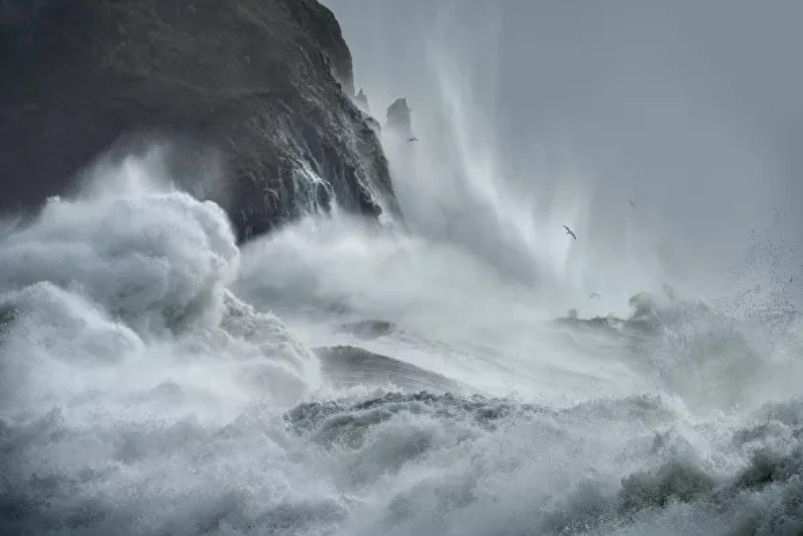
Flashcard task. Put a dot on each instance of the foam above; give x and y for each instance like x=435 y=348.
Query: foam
x=148 y=389
x=125 y=286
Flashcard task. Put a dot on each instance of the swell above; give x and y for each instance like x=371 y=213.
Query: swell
x=411 y=462
x=148 y=389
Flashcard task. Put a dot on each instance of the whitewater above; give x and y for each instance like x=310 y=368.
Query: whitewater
x=444 y=374
x=157 y=379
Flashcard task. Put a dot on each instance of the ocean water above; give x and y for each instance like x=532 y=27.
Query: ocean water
x=471 y=370
x=157 y=379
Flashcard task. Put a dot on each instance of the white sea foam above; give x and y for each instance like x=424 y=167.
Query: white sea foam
x=141 y=395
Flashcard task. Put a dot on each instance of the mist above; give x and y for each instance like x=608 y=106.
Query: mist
x=345 y=375
x=693 y=112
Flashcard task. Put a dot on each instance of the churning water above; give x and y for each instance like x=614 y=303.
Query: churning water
x=339 y=378
x=156 y=379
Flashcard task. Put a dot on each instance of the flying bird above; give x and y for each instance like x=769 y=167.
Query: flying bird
x=593 y=295
x=569 y=232
x=412 y=139
x=632 y=204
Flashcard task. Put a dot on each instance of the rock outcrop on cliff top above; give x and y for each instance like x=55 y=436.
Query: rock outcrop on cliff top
x=400 y=118
x=264 y=85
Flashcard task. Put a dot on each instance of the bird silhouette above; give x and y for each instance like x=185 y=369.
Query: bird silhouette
x=412 y=139
x=632 y=204
x=569 y=232
x=593 y=295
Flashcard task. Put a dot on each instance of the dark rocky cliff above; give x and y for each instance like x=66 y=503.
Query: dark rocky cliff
x=266 y=85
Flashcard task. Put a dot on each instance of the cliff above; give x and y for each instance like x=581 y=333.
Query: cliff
x=264 y=85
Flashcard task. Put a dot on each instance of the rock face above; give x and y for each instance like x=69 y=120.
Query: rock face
x=349 y=366
x=399 y=118
x=369 y=329
x=263 y=85
x=361 y=100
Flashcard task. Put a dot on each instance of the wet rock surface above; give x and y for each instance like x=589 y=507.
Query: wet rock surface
x=259 y=90
x=348 y=366
x=369 y=329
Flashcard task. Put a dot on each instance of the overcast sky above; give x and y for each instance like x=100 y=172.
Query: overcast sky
x=693 y=109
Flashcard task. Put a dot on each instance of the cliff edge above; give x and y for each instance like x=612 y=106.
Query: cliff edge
x=264 y=85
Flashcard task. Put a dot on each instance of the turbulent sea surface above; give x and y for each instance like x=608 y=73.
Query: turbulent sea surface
x=445 y=375
x=342 y=379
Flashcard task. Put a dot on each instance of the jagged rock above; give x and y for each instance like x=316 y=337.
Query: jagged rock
x=369 y=329
x=265 y=86
x=374 y=125
x=399 y=118
x=361 y=100
x=347 y=366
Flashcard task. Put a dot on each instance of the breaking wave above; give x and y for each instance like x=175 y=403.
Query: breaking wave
x=147 y=388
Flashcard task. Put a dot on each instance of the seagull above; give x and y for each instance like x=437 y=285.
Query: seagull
x=593 y=295
x=632 y=204
x=569 y=232
x=412 y=139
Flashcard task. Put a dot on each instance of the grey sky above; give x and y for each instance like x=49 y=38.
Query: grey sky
x=692 y=108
